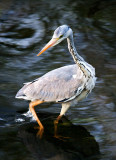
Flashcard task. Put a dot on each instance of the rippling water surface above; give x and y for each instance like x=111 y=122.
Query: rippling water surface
x=25 y=27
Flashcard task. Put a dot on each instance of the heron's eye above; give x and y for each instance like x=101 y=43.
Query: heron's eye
x=61 y=36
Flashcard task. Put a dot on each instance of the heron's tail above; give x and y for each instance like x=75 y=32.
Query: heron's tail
x=20 y=94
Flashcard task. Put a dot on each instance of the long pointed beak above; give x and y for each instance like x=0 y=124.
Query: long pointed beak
x=51 y=43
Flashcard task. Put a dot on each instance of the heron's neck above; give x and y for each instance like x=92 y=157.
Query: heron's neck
x=77 y=58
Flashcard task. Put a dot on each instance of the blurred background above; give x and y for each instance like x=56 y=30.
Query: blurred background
x=25 y=27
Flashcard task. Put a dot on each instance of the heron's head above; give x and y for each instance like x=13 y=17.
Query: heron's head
x=59 y=35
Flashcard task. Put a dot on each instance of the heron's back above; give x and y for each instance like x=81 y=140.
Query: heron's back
x=59 y=85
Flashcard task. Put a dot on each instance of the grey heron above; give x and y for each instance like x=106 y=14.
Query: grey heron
x=66 y=85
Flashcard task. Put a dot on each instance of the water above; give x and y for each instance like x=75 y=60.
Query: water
x=25 y=27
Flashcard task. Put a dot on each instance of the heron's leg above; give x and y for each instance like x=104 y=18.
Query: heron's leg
x=31 y=107
x=65 y=107
x=56 y=126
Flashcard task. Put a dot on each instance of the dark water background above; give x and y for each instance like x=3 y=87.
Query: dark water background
x=25 y=27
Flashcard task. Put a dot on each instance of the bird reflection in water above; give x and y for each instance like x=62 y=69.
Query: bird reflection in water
x=79 y=146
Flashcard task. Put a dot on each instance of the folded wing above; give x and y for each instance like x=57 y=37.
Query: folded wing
x=59 y=85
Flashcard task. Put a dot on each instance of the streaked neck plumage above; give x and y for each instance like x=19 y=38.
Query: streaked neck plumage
x=73 y=50
x=85 y=67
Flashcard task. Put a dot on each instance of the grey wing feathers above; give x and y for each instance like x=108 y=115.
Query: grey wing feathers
x=58 y=85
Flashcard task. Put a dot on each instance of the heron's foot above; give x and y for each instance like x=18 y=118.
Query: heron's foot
x=61 y=137
x=40 y=131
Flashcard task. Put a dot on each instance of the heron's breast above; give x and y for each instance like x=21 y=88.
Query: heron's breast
x=90 y=83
